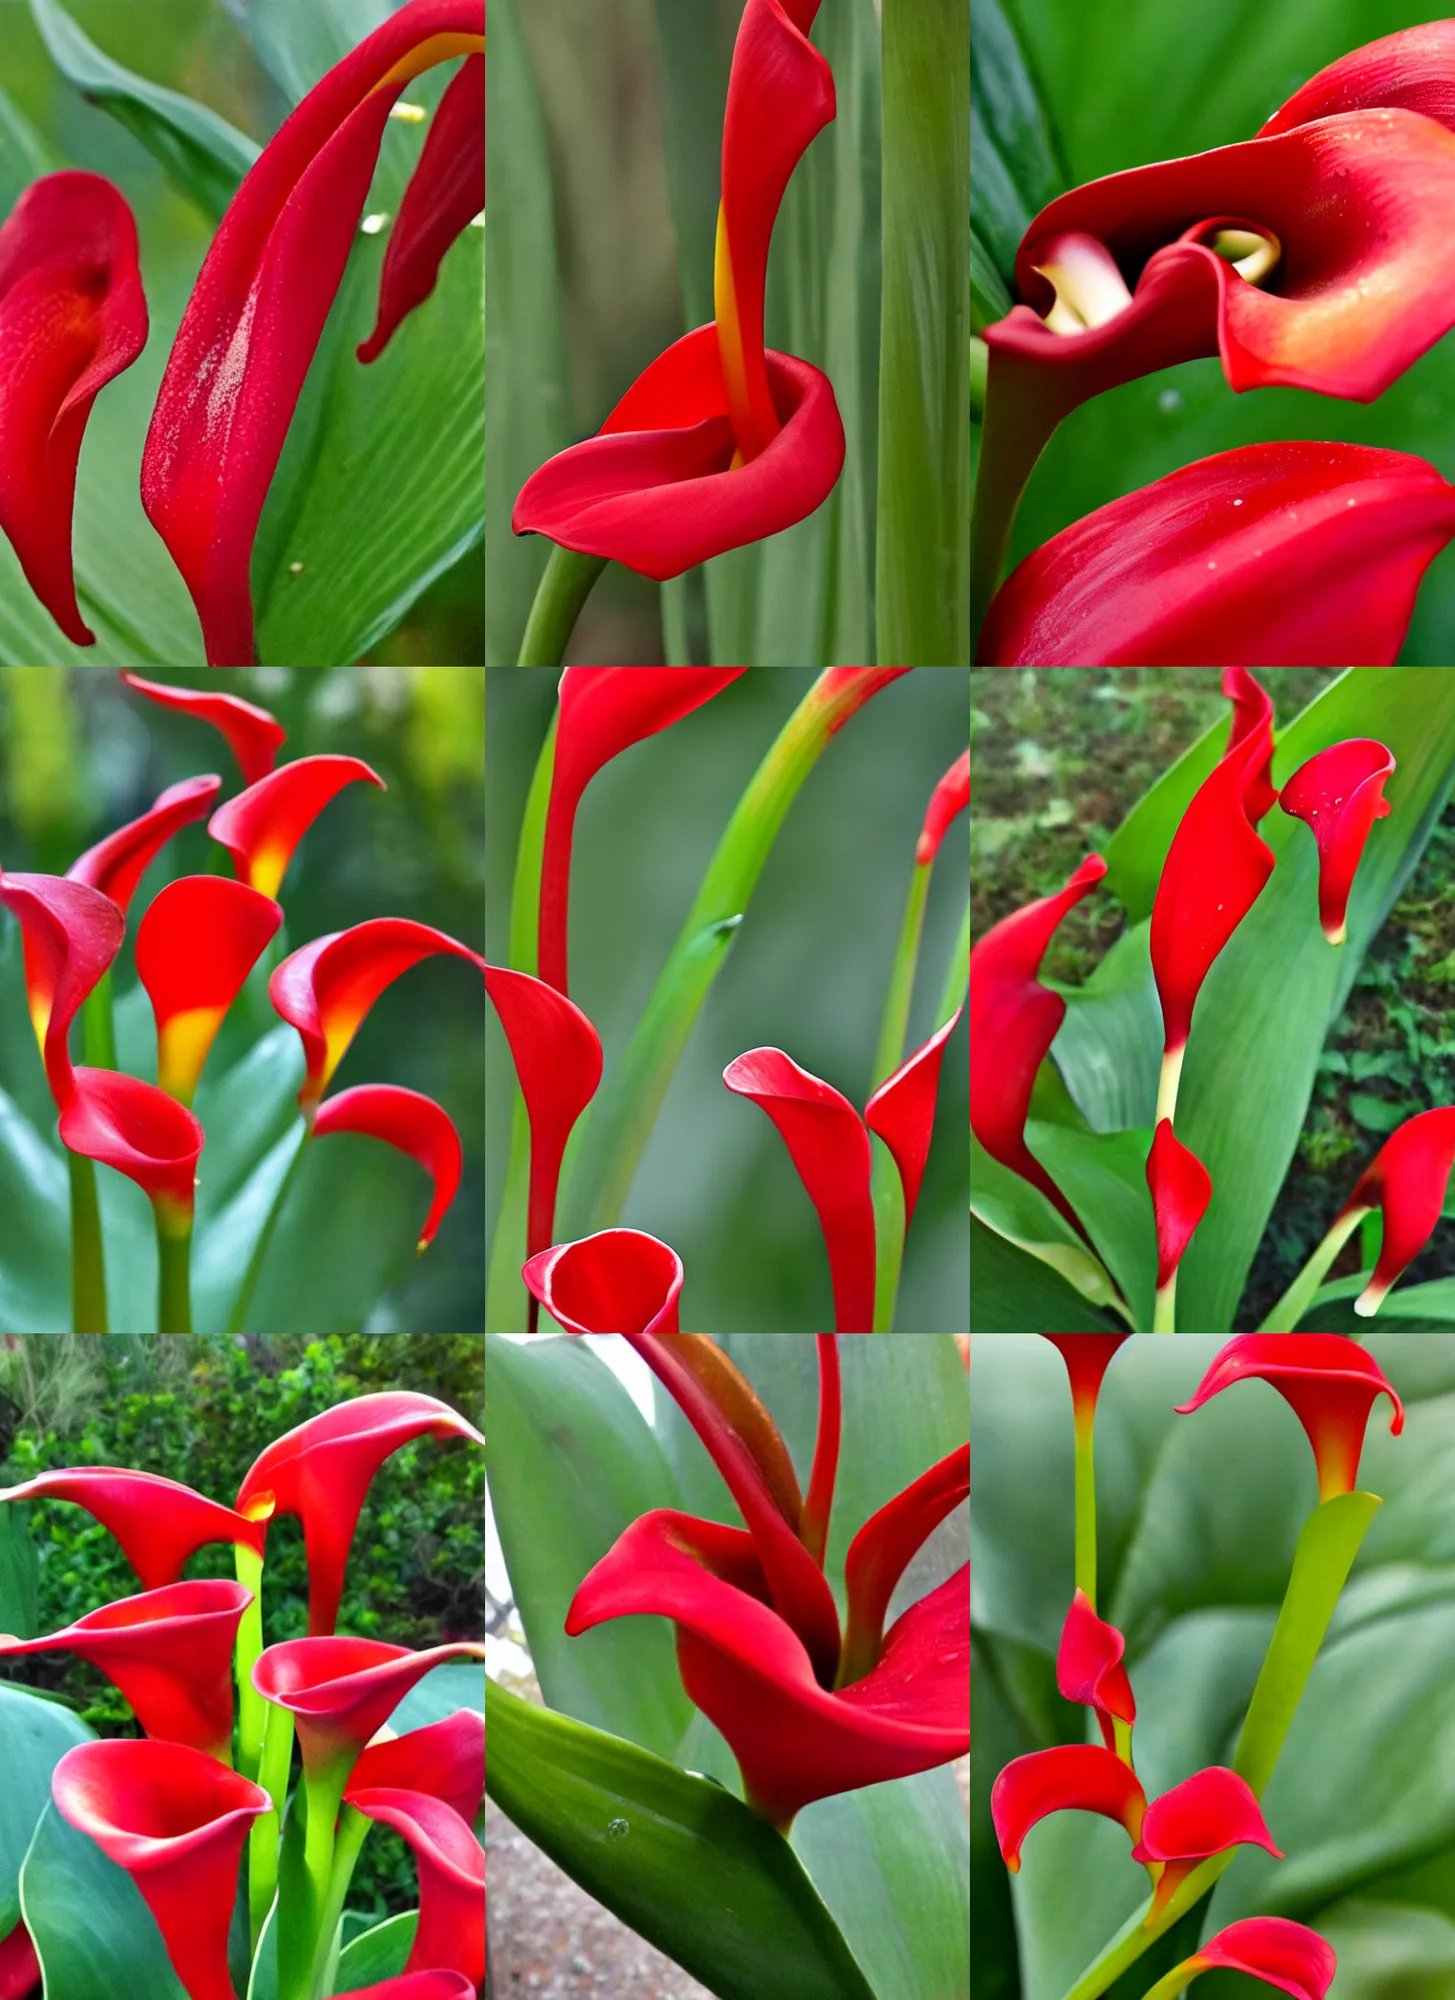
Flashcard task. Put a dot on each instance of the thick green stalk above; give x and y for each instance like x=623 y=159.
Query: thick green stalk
x=564 y=587
x=273 y=1765
x=98 y=1027
x=1290 y=1309
x=353 y=1827
x=174 y=1287
x=324 y=1790
x=238 y=1320
x=1164 y=1310
x=885 y=1185
x=252 y=1710
x=1086 y=1504
x=957 y=980
x=88 y=1256
x=1174 y=1982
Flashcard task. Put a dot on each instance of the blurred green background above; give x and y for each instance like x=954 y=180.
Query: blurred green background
x=80 y=755
x=806 y=974
x=198 y=47
x=1125 y=82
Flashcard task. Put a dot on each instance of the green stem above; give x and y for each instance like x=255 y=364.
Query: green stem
x=252 y=1710
x=957 y=980
x=1296 y=1301
x=1086 y=1506
x=174 y=1289
x=1173 y=1982
x=564 y=587
x=1164 y=1310
x=886 y=1188
x=273 y=1766
x=244 y=1300
x=88 y=1257
x=352 y=1829
x=324 y=1792
x=98 y=1027
x=1168 y=1079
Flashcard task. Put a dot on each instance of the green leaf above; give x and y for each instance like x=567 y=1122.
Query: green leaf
x=19 y=1579
x=377 y=1955
x=1136 y=851
x=923 y=585
x=24 y=155
x=1109 y=1047
x=93 y=1934
x=204 y=156
x=1390 y=1948
x=572 y=1463
x=298 y=44
x=1104 y=1177
x=34 y=1198
x=989 y=298
x=1017 y=170
x=528 y=417
x=1376 y=1114
x=685 y=1864
x=347 y=1233
x=1004 y=1202
x=34 y=1736
x=1417 y=1308
x=1011 y=1290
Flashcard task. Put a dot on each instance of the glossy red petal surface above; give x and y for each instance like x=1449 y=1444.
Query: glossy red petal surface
x=1282 y=554
x=1252 y=716
x=408 y=1121
x=451 y=1866
x=254 y=319
x=1276 y=1950
x=1074 y=1777
x=902 y=1110
x=950 y=797
x=325 y=988
x=745 y=1667
x=141 y=1132
x=70 y=933
x=1329 y=1381
x=888 y=1542
x=1406 y=1179
x=1181 y=1188
x=445 y=192
x=253 y=736
x=1087 y=1357
x=618 y=1281
x=157 y=1521
x=1339 y=793
x=322 y=1469
x=176 y=1821
x=664 y=495
x=72 y=316
x=829 y=1146
x=1089 y=1666
x=445 y=1759
x=262 y=826
x=1413 y=70
x=780 y=95
x=1013 y=1022
x=341 y=1692
x=1212 y=1810
x=116 y=864
x=557 y=1056
x=19 y=1966
x=200 y=938
x=603 y=711
x=169 y=1651
x=1216 y=869
x=819 y=1500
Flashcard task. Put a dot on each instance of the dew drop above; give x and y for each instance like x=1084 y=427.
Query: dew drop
x=372 y=224
x=1237 y=503
x=617 y=1829
x=1169 y=401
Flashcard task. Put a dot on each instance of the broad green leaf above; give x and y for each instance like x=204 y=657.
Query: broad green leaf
x=1004 y=1202
x=1011 y=1291
x=685 y=1864
x=1109 y=1047
x=34 y=1736
x=572 y=1463
x=377 y=1955
x=923 y=559
x=528 y=415
x=999 y=1736
x=347 y=1232
x=19 y=1579
x=298 y=44
x=204 y=156
x=93 y=1934
x=1414 y=1308
x=24 y=155
x=1016 y=167
x=1104 y=1177
x=35 y=1201
x=989 y=298
x=1390 y=1948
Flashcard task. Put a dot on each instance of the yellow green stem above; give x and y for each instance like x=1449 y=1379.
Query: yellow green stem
x=1086 y=1506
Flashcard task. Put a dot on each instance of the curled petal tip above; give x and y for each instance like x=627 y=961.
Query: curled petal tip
x=262 y=826
x=252 y=734
x=410 y=1122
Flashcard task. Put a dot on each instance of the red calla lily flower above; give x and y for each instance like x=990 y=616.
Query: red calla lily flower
x=1330 y=1383
x=446 y=1759
x=1216 y=869
x=445 y=192
x=141 y=1132
x=618 y=1281
x=70 y=933
x=157 y=1521
x=262 y=296
x=1413 y=70
x=1274 y=1949
x=557 y=1056
x=451 y=1863
x=1181 y=1189
x=408 y=1121
x=1089 y=1668
x=950 y=798
x=19 y=1966
x=720 y=441
x=340 y=1692
x=416 y=1986
x=1013 y=1022
x=261 y=827
x=115 y=865
x=321 y=1471
x=1087 y=1357
x=884 y=1548
x=72 y=316
x=603 y=711
x=253 y=736
x=169 y=1651
x=1206 y=1814
x=1074 y=1777
x=326 y=988
x=1406 y=1179
x=200 y=938
x=1277 y=554
x=902 y=1110
x=746 y=1668
x=1339 y=794
x=176 y=1821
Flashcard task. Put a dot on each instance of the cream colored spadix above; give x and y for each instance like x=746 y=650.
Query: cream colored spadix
x=1251 y=252
x=1090 y=289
